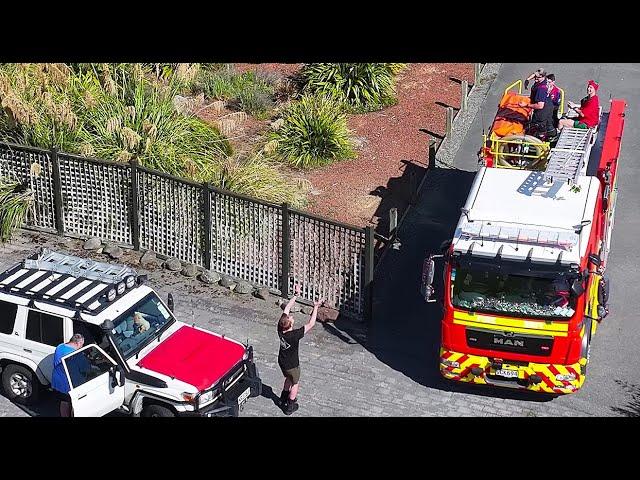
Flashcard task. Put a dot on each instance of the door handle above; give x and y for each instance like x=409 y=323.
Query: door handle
x=27 y=350
x=80 y=398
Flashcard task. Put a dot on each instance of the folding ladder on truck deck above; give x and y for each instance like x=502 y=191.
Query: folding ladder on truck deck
x=570 y=155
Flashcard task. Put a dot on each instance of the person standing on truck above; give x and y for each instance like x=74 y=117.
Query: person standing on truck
x=288 y=355
x=59 y=381
x=537 y=77
x=588 y=111
x=542 y=118
x=555 y=96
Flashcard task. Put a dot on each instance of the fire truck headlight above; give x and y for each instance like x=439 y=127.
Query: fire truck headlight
x=569 y=377
x=449 y=363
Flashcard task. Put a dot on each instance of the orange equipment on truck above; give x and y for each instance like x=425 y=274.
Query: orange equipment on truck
x=508 y=145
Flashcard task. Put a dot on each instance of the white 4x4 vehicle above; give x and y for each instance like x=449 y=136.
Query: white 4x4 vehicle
x=137 y=357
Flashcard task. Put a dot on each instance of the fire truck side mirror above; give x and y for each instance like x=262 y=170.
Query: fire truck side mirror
x=595 y=259
x=444 y=246
x=576 y=288
x=428 y=269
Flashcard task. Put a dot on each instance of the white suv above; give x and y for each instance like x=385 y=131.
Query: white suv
x=137 y=357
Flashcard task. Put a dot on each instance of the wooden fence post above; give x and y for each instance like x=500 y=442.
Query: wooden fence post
x=432 y=152
x=465 y=93
x=286 y=251
x=57 y=191
x=477 y=68
x=449 y=121
x=367 y=287
x=393 y=220
x=135 y=213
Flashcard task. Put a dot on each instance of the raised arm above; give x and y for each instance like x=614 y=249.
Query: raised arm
x=314 y=315
x=296 y=292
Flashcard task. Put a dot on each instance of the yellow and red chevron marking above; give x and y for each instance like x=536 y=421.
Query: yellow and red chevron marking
x=547 y=372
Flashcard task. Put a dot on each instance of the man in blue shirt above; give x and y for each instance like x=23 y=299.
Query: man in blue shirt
x=59 y=381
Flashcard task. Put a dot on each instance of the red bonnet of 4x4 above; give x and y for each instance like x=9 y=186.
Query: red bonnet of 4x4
x=193 y=356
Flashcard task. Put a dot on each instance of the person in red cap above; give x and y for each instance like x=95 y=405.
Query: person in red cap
x=588 y=111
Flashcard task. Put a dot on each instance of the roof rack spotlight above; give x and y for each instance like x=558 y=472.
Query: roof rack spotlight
x=111 y=294
x=130 y=281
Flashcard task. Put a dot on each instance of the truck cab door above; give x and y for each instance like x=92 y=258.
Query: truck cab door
x=97 y=385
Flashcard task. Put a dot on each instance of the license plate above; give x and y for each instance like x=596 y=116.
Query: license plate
x=507 y=373
x=243 y=397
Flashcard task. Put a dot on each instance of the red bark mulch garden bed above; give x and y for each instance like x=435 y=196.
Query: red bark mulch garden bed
x=392 y=151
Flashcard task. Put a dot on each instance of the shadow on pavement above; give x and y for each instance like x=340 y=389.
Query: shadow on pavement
x=268 y=393
x=47 y=406
x=405 y=330
x=632 y=408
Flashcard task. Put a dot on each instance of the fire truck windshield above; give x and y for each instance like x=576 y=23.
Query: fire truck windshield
x=517 y=293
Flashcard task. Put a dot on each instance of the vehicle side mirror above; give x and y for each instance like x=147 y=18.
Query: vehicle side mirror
x=170 y=302
x=107 y=326
x=117 y=376
x=595 y=259
x=576 y=288
x=428 y=269
x=444 y=246
x=121 y=376
x=113 y=377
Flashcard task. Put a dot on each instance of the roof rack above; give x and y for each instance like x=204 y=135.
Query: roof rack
x=64 y=280
x=569 y=155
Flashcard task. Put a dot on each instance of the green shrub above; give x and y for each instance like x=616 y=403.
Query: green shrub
x=15 y=201
x=362 y=87
x=255 y=102
x=313 y=133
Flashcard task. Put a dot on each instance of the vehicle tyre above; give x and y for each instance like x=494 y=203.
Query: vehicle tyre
x=154 y=410
x=20 y=384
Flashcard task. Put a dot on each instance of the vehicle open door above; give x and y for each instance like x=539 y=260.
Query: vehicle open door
x=97 y=384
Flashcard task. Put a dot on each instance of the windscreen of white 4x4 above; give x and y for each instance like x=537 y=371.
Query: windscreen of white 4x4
x=140 y=324
x=517 y=293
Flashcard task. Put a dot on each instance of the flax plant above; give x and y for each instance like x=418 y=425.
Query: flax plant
x=360 y=87
x=313 y=133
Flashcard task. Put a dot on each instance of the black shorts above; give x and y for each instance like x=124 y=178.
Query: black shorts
x=61 y=397
x=293 y=374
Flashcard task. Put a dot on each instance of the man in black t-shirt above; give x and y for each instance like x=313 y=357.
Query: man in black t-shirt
x=288 y=356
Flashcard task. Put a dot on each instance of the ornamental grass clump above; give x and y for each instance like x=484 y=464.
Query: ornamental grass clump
x=248 y=91
x=109 y=111
x=16 y=200
x=256 y=176
x=360 y=87
x=122 y=112
x=313 y=133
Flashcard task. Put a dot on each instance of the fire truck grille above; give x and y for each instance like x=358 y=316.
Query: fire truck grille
x=509 y=342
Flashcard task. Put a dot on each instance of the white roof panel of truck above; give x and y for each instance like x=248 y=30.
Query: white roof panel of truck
x=515 y=214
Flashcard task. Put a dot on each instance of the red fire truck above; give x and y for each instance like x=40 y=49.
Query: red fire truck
x=524 y=287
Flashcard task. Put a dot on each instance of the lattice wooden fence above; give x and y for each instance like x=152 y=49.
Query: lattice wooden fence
x=266 y=244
